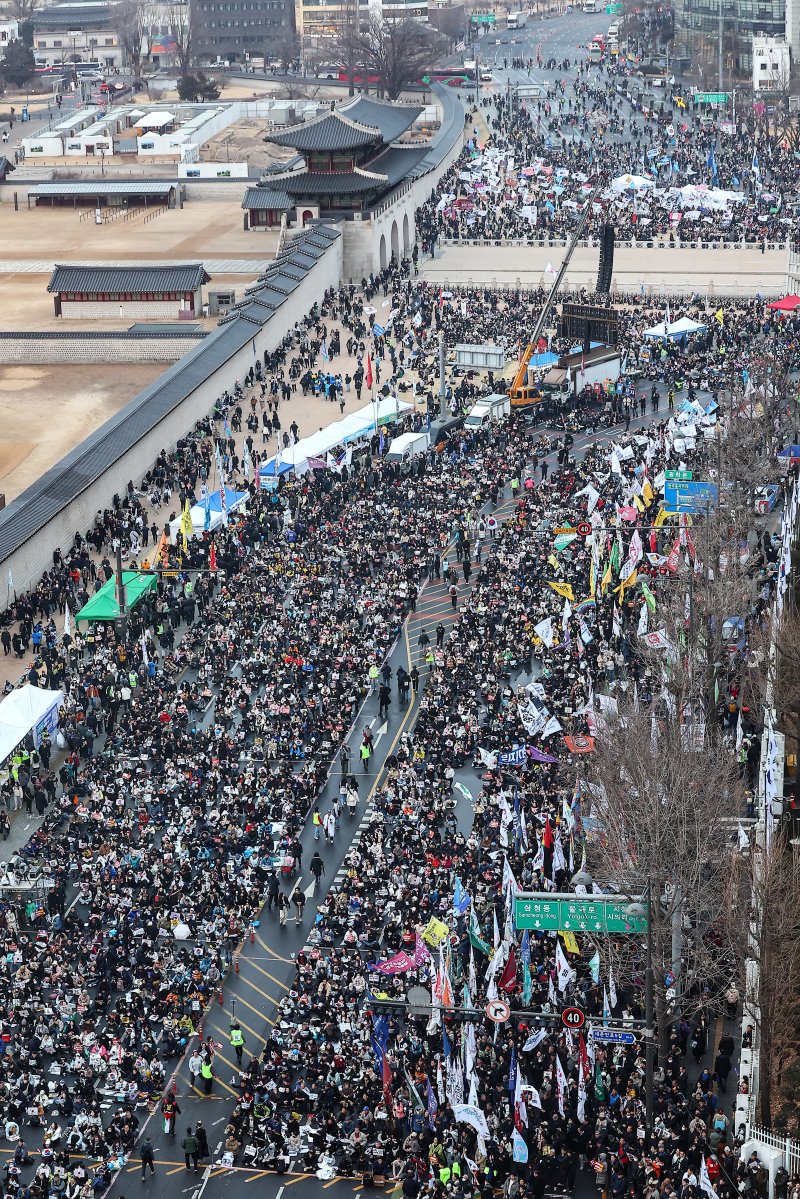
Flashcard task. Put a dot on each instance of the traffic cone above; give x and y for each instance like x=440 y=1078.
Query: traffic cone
x=236 y=964
x=252 y=934
x=219 y=996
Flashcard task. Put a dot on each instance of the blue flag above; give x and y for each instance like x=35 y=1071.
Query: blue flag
x=379 y=1039
x=512 y=1072
x=447 y=1048
x=433 y=1107
x=525 y=948
x=461 y=899
x=711 y=163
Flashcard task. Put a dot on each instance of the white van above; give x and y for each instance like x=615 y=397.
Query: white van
x=493 y=407
x=407 y=446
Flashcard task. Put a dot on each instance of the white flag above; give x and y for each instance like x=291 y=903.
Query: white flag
x=703 y=1179
x=561 y=1084
x=145 y=655
x=553 y=726
x=467 y=1113
x=10 y=581
x=544 y=630
x=744 y=842
x=643 y=616
x=564 y=972
x=67 y=621
x=612 y=989
x=536 y=1038
x=550 y=270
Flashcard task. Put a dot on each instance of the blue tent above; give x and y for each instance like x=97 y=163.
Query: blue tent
x=271 y=470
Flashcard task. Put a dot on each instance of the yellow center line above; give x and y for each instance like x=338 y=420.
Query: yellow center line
x=260 y=991
x=256 y=1177
x=258 y=1011
x=267 y=974
x=175 y=1170
x=273 y=952
x=299 y=1178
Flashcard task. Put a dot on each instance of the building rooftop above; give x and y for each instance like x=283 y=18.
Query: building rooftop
x=266 y=197
x=106 y=187
x=358 y=123
x=385 y=171
x=328 y=131
x=120 y=279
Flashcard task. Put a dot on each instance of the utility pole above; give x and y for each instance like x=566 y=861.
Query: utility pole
x=649 y=1016
x=720 y=32
x=120 y=623
x=442 y=384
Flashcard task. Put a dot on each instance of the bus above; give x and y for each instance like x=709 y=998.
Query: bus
x=590 y=5
x=453 y=76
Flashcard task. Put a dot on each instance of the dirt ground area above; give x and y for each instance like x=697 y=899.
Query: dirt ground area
x=48 y=410
x=201 y=229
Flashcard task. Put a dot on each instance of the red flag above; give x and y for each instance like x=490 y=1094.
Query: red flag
x=441 y=299
x=579 y=744
x=212 y=557
x=387 y=1081
x=548 y=840
x=508 y=979
x=369 y=372
x=583 y=1058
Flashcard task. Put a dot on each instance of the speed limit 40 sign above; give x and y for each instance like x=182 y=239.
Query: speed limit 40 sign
x=573 y=1017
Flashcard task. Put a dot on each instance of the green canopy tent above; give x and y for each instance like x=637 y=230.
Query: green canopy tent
x=105 y=605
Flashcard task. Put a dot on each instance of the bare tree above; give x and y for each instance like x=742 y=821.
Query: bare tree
x=347 y=49
x=663 y=784
x=181 y=30
x=775 y=940
x=398 y=51
x=23 y=10
x=133 y=28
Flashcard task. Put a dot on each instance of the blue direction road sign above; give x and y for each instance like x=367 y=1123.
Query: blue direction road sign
x=617 y=1036
x=690 y=496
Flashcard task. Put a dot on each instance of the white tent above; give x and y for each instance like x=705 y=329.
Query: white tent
x=675 y=329
x=349 y=428
x=29 y=709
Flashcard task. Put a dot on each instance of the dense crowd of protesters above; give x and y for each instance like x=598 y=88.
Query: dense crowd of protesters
x=666 y=173
x=196 y=747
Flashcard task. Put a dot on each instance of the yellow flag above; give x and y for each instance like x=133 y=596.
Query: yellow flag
x=553 y=560
x=638 y=503
x=606 y=579
x=564 y=589
x=680 y=103
x=647 y=493
x=629 y=582
x=435 y=932
x=718 y=316
x=570 y=944
x=660 y=518
x=161 y=552
x=187 y=530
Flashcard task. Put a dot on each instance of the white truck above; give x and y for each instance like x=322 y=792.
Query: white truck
x=407 y=446
x=517 y=20
x=493 y=407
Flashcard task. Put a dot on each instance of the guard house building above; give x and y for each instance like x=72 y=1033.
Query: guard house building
x=154 y=291
x=353 y=165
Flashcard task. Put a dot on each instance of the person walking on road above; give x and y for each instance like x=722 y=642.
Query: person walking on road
x=423 y=641
x=283 y=908
x=299 y=903
x=237 y=1041
x=170 y=1112
x=195 y=1062
x=440 y=635
x=329 y=828
x=147 y=1154
x=366 y=753
x=190 y=1150
x=203 y=1150
x=317 y=868
x=273 y=887
x=344 y=758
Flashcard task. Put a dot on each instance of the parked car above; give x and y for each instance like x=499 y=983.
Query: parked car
x=766 y=498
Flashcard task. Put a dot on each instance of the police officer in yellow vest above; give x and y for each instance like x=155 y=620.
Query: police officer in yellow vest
x=207 y=1075
x=237 y=1042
